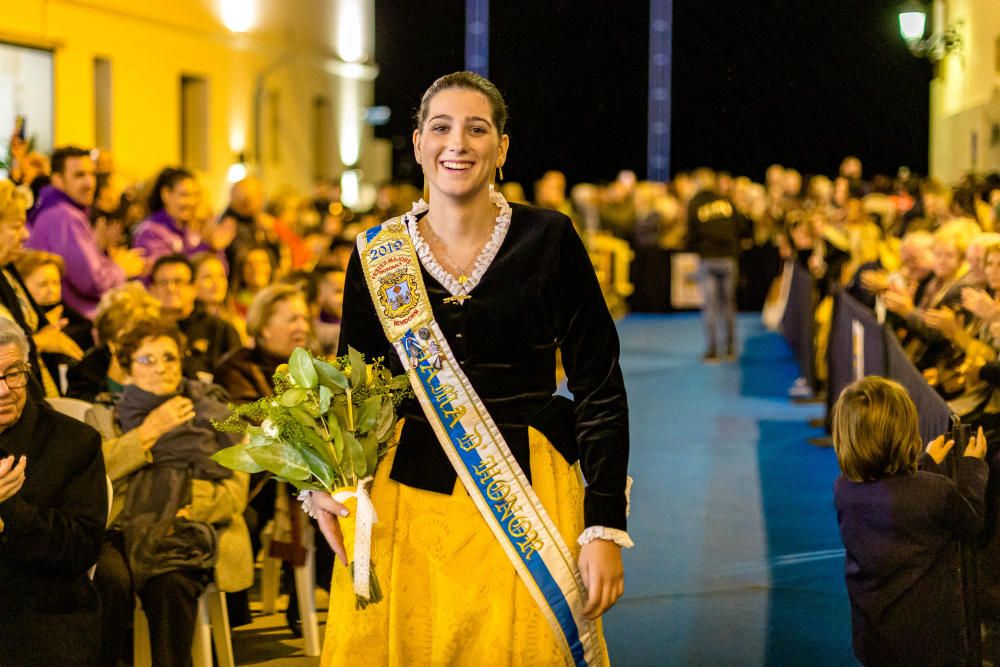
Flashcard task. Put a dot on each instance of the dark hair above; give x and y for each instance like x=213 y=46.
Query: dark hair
x=168 y=178
x=236 y=281
x=117 y=214
x=469 y=81
x=133 y=339
x=313 y=278
x=205 y=256
x=64 y=153
x=166 y=260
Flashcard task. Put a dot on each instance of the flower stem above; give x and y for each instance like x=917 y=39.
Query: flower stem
x=350 y=411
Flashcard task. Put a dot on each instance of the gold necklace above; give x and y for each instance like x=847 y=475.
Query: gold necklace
x=462 y=270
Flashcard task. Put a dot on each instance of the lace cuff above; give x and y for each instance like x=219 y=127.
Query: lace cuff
x=305 y=497
x=619 y=537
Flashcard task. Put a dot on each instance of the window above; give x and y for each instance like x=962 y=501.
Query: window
x=274 y=126
x=194 y=122
x=102 y=104
x=26 y=90
x=321 y=138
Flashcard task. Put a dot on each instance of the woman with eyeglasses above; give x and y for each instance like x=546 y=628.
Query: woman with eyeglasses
x=158 y=443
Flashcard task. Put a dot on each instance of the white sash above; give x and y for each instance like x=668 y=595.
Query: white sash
x=473 y=443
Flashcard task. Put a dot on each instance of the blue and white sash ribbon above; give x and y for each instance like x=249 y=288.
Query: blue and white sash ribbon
x=474 y=444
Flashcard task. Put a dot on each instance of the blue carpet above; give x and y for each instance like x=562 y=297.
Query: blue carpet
x=738 y=560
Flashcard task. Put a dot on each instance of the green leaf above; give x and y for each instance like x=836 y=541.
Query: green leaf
x=330 y=376
x=293 y=397
x=368 y=413
x=399 y=382
x=325 y=396
x=354 y=456
x=282 y=460
x=301 y=368
x=339 y=408
x=320 y=469
x=338 y=439
x=302 y=417
x=386 y=420
x=237 y=458
x=369 y=444
x=358 y=370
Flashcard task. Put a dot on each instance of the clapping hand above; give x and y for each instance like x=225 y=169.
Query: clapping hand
x=942 y=319
x=164 y=419
x=979 y=303
x=899 y=301
x=939 y=447
x=977 y=445
x=132 y=261
x=11 y=476
x=875 y=281
x=51 y=338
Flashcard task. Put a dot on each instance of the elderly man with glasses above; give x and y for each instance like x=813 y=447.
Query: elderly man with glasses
x=53 y=507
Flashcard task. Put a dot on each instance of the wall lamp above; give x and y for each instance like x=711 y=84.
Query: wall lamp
x=913 y=24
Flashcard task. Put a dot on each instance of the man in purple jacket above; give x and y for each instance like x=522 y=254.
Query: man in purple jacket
x=60 y=225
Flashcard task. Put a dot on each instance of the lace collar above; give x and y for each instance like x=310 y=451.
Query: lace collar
x=483 y=261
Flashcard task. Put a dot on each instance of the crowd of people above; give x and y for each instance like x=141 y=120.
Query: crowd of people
x=140 y=300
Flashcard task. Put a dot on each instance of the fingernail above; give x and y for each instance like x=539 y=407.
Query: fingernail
x=343 y=512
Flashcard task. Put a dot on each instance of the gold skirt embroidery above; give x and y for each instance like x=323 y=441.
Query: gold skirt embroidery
x=451 y=595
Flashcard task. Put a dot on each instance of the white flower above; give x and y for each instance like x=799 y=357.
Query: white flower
x=269 y=428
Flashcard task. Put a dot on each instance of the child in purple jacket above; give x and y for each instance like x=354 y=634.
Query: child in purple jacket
x=901 y=527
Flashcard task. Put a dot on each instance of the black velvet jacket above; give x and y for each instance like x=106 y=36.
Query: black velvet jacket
x=540 y=294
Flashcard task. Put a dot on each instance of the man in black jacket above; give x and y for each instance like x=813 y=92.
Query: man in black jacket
x=53 y=507
x=209 y=338
x=716 y=231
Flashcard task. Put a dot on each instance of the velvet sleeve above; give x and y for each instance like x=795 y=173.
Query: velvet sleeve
x=589 y=344
x=67 y=537
x=966 y=509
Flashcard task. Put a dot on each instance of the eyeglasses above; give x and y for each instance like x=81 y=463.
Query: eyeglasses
x=151 y=360
x=15 y=380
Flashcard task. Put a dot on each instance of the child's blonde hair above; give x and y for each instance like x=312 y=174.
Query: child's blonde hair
x=875 y=430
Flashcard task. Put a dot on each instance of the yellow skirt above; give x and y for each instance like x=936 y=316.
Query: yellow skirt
x=451 y=596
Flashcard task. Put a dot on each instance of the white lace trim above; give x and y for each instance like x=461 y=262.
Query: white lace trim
x=619 y=537
x=483 y=261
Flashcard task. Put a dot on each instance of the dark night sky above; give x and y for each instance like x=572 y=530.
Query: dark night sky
x=753 y=83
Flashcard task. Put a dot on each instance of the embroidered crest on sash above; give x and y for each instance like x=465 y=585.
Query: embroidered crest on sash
x=398 y=294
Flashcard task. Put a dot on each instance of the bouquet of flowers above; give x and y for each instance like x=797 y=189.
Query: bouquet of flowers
x=325 y=428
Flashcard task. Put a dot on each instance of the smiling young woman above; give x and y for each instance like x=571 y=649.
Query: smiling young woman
x=507 y=285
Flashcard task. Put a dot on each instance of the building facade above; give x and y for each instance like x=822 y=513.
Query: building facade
x=965 y=95
x=279 y=86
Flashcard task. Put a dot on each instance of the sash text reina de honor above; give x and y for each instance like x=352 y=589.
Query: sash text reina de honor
x=498 y=490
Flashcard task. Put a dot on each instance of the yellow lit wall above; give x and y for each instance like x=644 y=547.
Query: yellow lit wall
x=965 y=97
x=291 y=47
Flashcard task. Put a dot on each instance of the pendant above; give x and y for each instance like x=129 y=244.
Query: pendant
x=462 y=279
x=458 y=298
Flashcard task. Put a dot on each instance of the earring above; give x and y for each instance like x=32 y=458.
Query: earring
x=499 y=173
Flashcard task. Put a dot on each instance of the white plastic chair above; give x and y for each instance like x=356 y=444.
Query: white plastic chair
x=211 y=626
x=71 y=407
x=107 y=521
x=305 y=584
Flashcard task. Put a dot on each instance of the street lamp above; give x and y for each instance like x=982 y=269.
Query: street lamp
x=942 y=40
